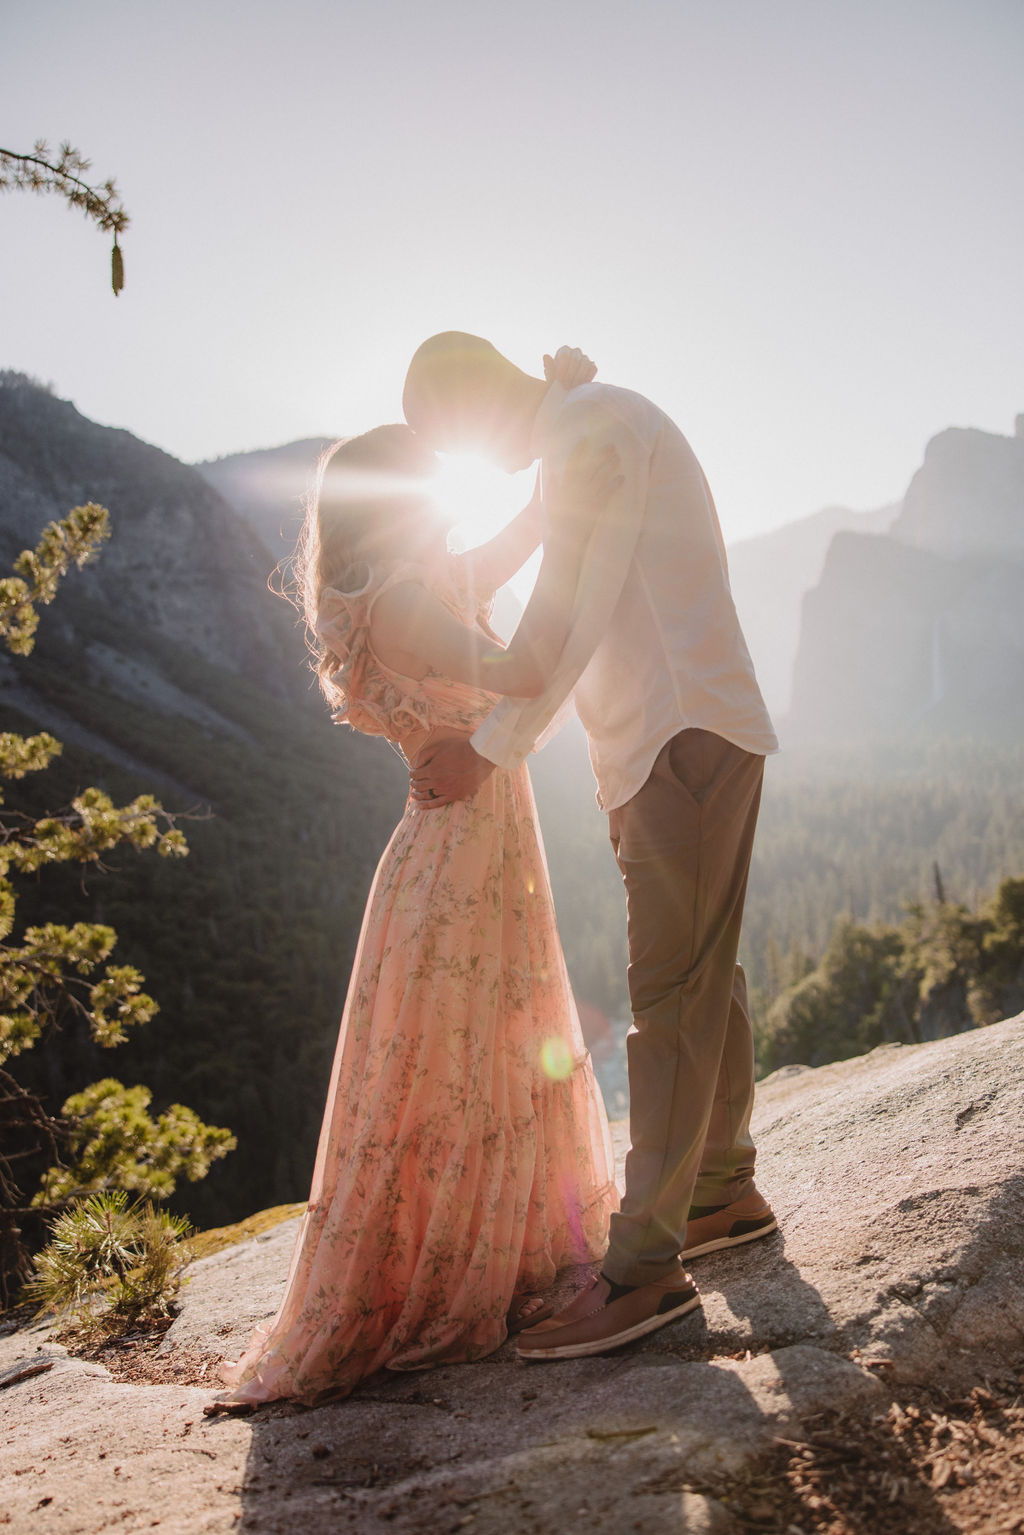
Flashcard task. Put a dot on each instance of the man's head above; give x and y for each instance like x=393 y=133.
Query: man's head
x=462 y=395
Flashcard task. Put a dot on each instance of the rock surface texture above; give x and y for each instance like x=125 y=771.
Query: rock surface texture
x=897 y=1180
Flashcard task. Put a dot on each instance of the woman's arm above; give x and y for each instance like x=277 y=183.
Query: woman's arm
x=490 y=565
x=412 y=632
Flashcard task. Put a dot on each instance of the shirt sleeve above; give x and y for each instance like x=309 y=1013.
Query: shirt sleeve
x=516 y=726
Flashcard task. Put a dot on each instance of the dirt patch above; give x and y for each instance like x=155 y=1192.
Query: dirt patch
x=928 y=1465
x=135 y=1356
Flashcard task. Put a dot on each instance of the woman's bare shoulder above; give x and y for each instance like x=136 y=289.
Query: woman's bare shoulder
x=402 y=619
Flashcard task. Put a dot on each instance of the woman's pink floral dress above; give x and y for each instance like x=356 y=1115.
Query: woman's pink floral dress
x=464 y=1155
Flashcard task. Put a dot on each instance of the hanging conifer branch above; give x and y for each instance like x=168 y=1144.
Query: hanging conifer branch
x=65 y=175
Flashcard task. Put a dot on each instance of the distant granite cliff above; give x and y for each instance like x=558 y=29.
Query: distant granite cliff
x=769 y=575
x=921 y=630
x=968 y=496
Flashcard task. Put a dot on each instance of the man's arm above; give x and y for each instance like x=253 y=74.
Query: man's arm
x=515 y=726
x=453 y=769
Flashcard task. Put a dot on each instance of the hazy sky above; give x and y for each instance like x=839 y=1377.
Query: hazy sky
x=798 y=225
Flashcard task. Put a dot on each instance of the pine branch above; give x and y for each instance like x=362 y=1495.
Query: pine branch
x=74 y=540
x=37 y=172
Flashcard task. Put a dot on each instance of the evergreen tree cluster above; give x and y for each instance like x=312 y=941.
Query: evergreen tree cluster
x=942 y=970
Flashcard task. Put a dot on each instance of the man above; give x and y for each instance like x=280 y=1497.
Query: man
x=678 y=731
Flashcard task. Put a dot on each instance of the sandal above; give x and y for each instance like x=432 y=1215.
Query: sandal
x=526 y=1311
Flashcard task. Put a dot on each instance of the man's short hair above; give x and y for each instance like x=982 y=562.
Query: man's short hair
x=454 y=381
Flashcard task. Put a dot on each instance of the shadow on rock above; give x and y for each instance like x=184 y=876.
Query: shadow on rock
x=960 y=1315
x=628 y=1441
x=757 y=1299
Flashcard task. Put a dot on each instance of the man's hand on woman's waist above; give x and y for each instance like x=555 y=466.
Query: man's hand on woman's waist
x=446 y=771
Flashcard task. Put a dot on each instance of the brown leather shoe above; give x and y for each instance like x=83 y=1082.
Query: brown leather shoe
x=592 y=1323
x=744 y=1220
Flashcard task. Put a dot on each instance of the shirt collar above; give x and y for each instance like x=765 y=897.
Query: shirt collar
x=549 y=409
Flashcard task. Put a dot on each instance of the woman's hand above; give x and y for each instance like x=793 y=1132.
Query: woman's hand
x=573 y=501
x=569 y=367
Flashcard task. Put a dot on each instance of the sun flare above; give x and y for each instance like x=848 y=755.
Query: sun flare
x=479 y=498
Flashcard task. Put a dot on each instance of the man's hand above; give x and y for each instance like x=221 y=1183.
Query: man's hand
x=447 y=771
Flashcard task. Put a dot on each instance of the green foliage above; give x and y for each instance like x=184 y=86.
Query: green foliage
x=112 y=1137
x=941 y=971
x=248 y=943
x=1000 y=983
x=54 y=965
x=858 y=834
x=74 y=540
x=65 y=174
x=124 y=1259
x=56 y=973
x=853 y=1000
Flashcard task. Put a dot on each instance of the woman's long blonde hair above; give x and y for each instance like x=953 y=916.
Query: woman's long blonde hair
x=364 y=487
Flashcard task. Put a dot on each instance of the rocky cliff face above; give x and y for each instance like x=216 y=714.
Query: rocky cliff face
x=922 y=630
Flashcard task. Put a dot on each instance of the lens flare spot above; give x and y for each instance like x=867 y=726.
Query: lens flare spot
x=530 y=886
x=555 y=1059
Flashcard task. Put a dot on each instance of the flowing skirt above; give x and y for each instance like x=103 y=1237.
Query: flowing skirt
x=464 y=1156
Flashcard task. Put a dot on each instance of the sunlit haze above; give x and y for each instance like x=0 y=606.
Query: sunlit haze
x=481 y=499
x=798 y=227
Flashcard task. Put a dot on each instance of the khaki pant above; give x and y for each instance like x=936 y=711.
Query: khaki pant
x=683 y=844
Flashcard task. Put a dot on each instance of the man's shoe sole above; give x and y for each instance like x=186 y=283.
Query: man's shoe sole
x=603 y=1345
x=759 y=1229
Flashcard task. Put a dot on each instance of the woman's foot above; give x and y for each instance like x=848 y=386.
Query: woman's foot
x=527 y=1311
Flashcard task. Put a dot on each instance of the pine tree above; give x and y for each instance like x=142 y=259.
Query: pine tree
x=52 y=973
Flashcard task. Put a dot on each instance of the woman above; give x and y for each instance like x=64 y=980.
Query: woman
x=464 y=1156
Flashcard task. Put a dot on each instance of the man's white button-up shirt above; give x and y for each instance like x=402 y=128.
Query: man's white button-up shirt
x=654 y=644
